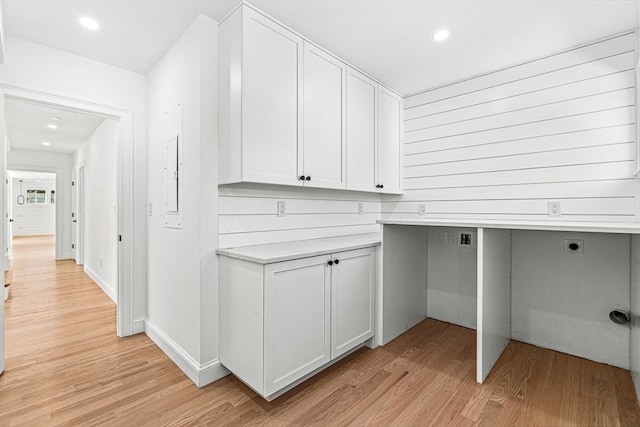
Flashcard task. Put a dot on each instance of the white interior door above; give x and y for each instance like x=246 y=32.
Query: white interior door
x=8 y=229
x=78 y=220
x=74 y=213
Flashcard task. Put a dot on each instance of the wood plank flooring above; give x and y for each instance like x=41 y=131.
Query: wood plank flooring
x=65 y=366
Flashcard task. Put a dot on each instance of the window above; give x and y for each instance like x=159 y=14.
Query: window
x=36 y=196
x=53 y=196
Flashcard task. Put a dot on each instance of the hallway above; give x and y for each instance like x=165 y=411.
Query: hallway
x=64 y=363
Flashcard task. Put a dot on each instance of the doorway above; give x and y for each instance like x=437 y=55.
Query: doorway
x=121 y=210
x=32 y=208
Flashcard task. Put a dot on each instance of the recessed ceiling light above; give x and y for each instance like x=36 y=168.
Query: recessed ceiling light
x=52 y=126
x=55 y=118
x=441 y=35
x=46 y=143
x=89 y=23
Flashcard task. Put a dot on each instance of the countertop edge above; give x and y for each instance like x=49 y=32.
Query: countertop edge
x=238 y=254
x=631 y=228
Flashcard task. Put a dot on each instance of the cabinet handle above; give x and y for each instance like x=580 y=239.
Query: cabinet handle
x=302 y=177
x=330 y=263
x=308 y=178
x=337 y=261
x=381 y=186
x=378 y=186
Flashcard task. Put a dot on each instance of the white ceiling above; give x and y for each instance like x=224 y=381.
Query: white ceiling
x=27 y=126
x=389 y=39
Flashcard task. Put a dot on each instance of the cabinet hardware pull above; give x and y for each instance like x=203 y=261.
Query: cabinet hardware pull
x=302 y=177
x=337 y=261
x=330 y=263
x=381 y=186
x=308 y=178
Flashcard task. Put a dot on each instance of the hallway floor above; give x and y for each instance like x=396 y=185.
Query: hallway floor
x=65 y=366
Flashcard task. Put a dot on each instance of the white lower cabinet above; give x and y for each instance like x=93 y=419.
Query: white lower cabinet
x=280 y=322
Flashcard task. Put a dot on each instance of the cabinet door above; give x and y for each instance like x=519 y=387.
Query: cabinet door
x=352 y=299
x=324 y=148
x=271 y=72
x=297 y=320
x=361 y=131
x=389 y=157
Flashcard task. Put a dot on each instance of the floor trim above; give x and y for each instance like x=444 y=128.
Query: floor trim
x=102 y=284
x=201 y=375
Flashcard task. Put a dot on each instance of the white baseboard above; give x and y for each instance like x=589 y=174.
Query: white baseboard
x=102 y=284
x=138 y=326
x=67 y=255
x=201 y=375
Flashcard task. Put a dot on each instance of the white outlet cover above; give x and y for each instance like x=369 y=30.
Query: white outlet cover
x=360 y=208
x=555 y=209
x=422 y=208
x=282 y=208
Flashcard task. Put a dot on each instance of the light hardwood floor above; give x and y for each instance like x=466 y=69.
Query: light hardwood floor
x=65 y=366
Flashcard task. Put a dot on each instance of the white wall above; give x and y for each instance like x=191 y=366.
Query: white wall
x=562 y=300
x=44 y=161
x=451 y=278
x=182 y=302
x=248 y=214
x=501 y=145
x=31 y=219
x=98 y=156
x=1 y=44
x=36 y=67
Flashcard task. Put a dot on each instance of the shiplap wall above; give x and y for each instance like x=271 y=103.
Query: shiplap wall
x=248 y=214
x=504 y=144
x=33 y=219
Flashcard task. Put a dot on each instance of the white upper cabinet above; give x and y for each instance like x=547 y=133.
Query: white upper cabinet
x=291 y=114
x=389 y=149
x=260 y=120
x=324 y=148
x=361 y=131
x=374 y=136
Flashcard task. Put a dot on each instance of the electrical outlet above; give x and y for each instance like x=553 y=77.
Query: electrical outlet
x=282 y=208
x=448 y=237
x=554 y=209
x=466 y=239
x=150 y=209
x=360 y=208
x=575 y=246
x=422 y=208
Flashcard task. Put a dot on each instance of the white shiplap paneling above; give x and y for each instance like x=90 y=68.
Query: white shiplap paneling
x=504 y=144
x=33 y=219
x=248 y=214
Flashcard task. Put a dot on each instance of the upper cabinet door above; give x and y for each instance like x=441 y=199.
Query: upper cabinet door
x=389 y=158
x=270 y=98
x=324 y=150
x=361 y=131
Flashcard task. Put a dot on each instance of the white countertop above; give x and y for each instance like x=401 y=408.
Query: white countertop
x=590 y=227
x=277 y=252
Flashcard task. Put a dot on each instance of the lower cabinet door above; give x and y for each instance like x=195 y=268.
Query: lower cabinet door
x=352 y=296
x=297 y=320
